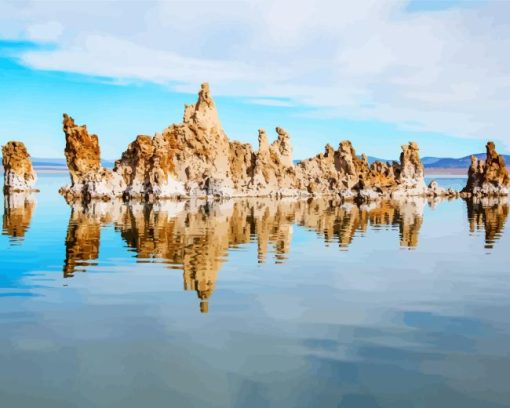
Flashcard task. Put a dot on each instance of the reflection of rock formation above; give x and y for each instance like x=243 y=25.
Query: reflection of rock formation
x=488 y=177
x=18 y=210
x=191 y=236
x=342 y=222
x=410 y=220
x=488 y=214
x=83 y=234
x=196 y=236
x=19 y=174
x=195 y=158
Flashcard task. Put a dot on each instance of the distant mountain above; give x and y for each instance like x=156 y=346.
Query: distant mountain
x=427 y=161
x=446 y=162
x=450 y=163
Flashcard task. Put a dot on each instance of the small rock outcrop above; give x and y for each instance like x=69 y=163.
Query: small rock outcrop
x=435 y=190
x=195 y=158
x=19 y=175
x=487 y=177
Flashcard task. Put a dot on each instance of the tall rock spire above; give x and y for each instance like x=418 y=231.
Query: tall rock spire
x=203 y=114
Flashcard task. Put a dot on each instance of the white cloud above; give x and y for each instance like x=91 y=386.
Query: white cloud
x=271 y=102
x=49 y=31
x=446 y=71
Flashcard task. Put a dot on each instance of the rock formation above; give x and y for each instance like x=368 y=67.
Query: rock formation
x=487 y=177
x=435 y=190
x=195 y=158
x=342 y=171
x=410 y=177
x=19 y=175
x=88 y=178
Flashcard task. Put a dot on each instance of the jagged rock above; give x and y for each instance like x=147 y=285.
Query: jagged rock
x=88 y=178
x=410 y=178
x=338 y=171
x=273 y=171
x=435 y=190
x=19 y=174
x=319 y=174
x=202 y=158
x=195 y=158
x=147 y=167
x=242 y=164
x=487 y=177
x=378 y=180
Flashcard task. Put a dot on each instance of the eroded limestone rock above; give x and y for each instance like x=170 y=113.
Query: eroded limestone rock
x=410 y=178
x=19 y=175
x=195 y=158
x=88 y=178
x=487 y=177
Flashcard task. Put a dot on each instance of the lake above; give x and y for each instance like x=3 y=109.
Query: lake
x=254 y=302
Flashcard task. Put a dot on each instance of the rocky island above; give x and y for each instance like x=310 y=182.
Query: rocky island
x=195 y=158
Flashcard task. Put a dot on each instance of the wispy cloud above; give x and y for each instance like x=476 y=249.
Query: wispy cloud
x=443 y=70
x=280 y=103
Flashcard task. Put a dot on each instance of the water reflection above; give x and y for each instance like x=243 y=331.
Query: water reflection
x=18 y=211
x=191 y=236
x=341 y=222
x=83 y=235
x=195 y=236
x=488 y=214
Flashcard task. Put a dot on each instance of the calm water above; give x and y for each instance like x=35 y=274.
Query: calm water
x=254 y=303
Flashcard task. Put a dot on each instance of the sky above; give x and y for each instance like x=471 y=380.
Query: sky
x=377 y=73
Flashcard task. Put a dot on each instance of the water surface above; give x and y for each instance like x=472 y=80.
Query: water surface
x=254 y=302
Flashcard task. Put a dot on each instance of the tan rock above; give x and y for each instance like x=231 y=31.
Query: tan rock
x=410 y=177
x=273 y=171
x=195 y=158
x=488 y=177
x=147 y=167
x=88 y=178
x=19 y=174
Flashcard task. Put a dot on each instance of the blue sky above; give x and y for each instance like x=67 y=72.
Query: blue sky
x=377 y=75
